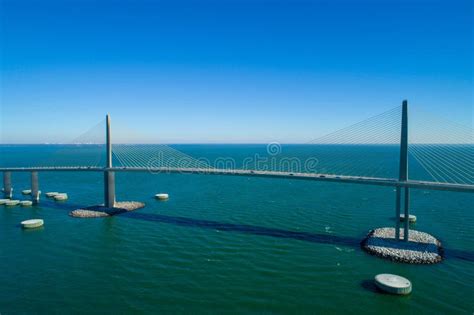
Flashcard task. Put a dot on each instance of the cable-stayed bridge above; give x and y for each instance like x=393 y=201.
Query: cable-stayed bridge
x=377 y=151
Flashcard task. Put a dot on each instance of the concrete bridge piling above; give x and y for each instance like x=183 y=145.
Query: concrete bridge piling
x=7 y=184
x=35 y=194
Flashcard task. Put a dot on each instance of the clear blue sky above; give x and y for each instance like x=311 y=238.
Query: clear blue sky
x=229 y=71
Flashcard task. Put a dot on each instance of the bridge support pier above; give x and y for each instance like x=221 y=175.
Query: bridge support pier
x=398 y=201
x=407 y=215
x=109 y=189
x=7 y=185
x=35 y=194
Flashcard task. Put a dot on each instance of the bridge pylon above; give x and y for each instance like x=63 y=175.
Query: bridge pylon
x=403 y=177
x=109 y=176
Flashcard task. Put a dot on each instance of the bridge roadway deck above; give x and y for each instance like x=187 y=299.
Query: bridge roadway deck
x=275 y=174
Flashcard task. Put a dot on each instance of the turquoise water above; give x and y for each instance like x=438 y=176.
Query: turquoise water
x=224 y=244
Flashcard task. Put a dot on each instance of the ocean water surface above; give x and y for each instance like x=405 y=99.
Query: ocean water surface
x=226 y=245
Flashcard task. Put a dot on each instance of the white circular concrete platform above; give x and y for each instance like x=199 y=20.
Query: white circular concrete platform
x=26 y=203
x=12 y=203
x=60 y=197
x=162 y=196
x=51 y=194
x=33 y=223
x=393 y=284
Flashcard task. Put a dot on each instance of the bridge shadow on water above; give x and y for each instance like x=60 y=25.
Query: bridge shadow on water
x=250 y=229
x=244 y=228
